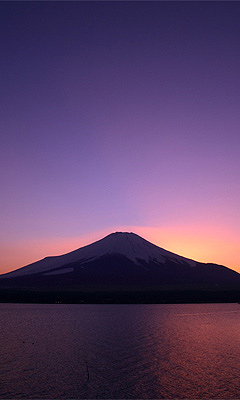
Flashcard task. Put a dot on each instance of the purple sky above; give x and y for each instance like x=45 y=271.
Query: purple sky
x=120 y=115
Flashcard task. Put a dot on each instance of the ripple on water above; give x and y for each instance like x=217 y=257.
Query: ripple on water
x=129 y=351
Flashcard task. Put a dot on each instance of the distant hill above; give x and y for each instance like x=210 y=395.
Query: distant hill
x=120 y=262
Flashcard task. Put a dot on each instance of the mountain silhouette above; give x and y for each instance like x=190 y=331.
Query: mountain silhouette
x=120 y=260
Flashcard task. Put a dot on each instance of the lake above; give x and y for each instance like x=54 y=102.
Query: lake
x=120 y=351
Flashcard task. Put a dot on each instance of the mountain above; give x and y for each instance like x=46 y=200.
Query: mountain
x=120 y=261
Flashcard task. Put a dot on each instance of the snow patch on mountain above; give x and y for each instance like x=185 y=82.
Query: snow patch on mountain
x=59 y=271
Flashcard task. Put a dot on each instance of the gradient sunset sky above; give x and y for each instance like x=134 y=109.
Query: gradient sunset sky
x=120 y=116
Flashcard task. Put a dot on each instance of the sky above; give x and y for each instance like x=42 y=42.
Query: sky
x=119 y=116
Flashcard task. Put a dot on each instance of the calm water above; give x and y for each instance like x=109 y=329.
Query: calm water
x=120 y=351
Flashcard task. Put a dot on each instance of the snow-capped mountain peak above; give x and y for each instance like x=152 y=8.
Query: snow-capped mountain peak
x=127 y=244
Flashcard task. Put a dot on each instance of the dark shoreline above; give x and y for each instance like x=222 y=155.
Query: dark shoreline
x=119 y=297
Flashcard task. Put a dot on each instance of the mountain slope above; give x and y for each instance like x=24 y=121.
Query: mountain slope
x=129 y=245
x=119 y=260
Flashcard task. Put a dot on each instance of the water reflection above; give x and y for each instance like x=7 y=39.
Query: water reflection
x=201 y=360
x=111 y=351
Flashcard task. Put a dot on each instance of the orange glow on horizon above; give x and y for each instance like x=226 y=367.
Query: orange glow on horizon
x=203 y=244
